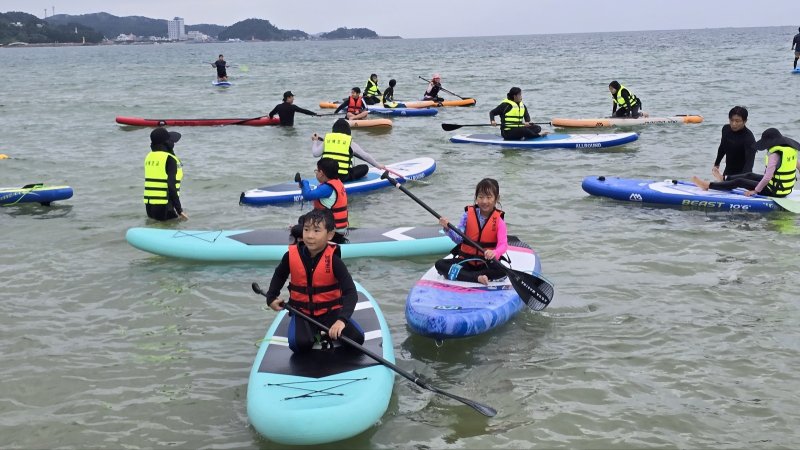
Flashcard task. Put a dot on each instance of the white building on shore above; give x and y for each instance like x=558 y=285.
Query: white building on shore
x=176 y=31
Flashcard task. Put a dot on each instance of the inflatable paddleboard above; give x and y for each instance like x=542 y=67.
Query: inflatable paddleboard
x=796 y=71
x=679 y=193
x=288 y=192
x=140 y=122
x=369 y=123
x=221 y=83
x=445 y=309
x=336 y=393
x=414 y=104
x=621 y=122
x=270 y=245
x=34 y=193
x=551 y=140
x=406 y=112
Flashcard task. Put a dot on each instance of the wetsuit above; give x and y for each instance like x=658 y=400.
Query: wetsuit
x=221 y=65
x=172 y=209
x=285 y=112
x=388 y=95
x=516 y=133
x=738 y=149
x=796 y=47
x=432 y=93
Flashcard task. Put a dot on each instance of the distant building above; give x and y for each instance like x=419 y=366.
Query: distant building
x=126 y=38
x=197 y=36
x=176 y=31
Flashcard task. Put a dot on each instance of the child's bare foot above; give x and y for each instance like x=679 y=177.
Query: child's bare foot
x=483 y=279
x=716 y=174
x=702 y=184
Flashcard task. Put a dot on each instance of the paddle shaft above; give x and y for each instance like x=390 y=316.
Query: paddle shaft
x=483 y=409
x=449 y=92
x=455 y=126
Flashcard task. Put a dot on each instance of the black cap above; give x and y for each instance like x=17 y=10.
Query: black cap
x=287 y=94
x=162 y=136
x=770 y=138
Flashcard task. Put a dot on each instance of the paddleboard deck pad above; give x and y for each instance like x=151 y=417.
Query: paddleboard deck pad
x=289 y=192
x=622 y=122
x=34 y=193
x=551 y=140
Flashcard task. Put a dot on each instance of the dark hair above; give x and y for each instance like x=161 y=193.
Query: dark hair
x=740 y=111
x=512 y=92
x=357 y=90
x=341 y=126
x=319 y=216
x=488 y=186
x=392 y=82
x=329 y=167
x=615 y=84
x=373 y=75
x=220 y=55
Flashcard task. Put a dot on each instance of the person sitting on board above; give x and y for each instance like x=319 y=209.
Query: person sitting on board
x=737 y=145
x=329 y=194
x=221 y=65
x=434 y=86
x=796 y=47
x=371 y=93
x=514 y=118
x=319 y=285
x=356 y=108
x=339 y=146
x=162 y=177
x=388 y=95
x=625 y=103
x=483 y=223
x=779 y=176
x=286 y=110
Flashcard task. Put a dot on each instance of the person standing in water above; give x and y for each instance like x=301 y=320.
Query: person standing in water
x=286 y=110
x=796 y=47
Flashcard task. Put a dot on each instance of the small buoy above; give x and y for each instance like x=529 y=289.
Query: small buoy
x=3 y=156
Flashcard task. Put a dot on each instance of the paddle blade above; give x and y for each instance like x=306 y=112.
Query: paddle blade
x=450 y=126
x=788 y=204
x=536 y=291
x=486 y=410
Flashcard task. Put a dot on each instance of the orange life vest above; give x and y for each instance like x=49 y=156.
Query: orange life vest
x=339 y=208
x=355 y=106
x=486 y=236
x=318 y=293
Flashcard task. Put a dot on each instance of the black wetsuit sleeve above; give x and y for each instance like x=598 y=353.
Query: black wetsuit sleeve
x=721 y=149
x=304 y=111
x=279 y=278
x=348 y=288
x=501 y=110
x=342 y=106
x=527 y=117
x=274 y=111
x=749 y=152
x=171 y=168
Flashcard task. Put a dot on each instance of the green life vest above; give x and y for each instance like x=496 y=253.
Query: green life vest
x=372 y=89
x=155 y=177
x=621 y=100
x=783 y=180
x=515 y=116
x=337 y=147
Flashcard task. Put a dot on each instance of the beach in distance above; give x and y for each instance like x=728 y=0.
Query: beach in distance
x=670 y=327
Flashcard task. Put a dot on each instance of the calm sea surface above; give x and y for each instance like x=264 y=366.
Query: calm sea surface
x=670 y=328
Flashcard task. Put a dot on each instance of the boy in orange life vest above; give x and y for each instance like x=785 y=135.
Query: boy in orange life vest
x=356 y=108
x=329 y=194
x=319 y=285
x=483 y=223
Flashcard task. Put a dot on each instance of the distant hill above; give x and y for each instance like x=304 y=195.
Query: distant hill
x=112 y=26
x=23 y=27
x=350 y=33
x=259 y=29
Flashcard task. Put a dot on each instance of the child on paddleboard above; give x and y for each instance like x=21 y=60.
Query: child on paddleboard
x=329 y=194
x=319 y=285
x=483 y=223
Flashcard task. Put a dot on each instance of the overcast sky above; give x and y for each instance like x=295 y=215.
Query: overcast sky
x=440 y=18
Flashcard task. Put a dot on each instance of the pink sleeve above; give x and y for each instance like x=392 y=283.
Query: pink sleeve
x=772 y=164
x=502 y=239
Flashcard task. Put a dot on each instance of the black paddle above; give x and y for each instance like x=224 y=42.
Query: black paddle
x=487 y=411
x=239 y=122
x=449 y=92
x=455 y=126
x=535 y=291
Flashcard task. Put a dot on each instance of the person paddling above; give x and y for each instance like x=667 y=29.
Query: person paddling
x=329 y=194
x=371 y=92
x=221 y=65
x=796 y=47
x=625 y=103
x=339 y=146
x=356 y=108
x=514 y=118
x=286 y=110
x=434 y=86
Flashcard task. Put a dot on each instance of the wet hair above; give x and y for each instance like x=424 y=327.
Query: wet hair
x=740 y=111
x=220 y=55
x=615 y=84
x=341 y=126
x=357 y=90
x=512 y=92
x=392 y=82
x=488 y=186
x=329 y=167
x=319 y=216
x=373 y=75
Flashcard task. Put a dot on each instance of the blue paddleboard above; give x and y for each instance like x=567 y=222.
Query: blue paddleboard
x=551 y=140
x=222 y=83
x=34 y=193
x=406 y=112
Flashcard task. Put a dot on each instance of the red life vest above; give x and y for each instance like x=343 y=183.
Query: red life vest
x=323 y=294
x=339 y=208
x=355 y=106
x=486 y=236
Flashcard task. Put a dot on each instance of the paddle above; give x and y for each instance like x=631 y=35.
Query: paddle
x=239 y=122
x=454 y=126
x=449 y=92
x=487 y=411
x=788 y=204
x=535 y=291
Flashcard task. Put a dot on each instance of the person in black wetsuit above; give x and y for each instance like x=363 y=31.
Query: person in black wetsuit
x=163 y=173
x=737 y=146
x=221 y=65
x=796 y=47
x=625 y=103
x=388 y=93
x=514 y=118
x=286 y=110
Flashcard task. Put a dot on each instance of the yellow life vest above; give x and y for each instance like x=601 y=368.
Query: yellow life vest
x=515 y=116
x=372 y=89
x=337 y=147
x=784 y=178
x=155 y=177
x=621 y=100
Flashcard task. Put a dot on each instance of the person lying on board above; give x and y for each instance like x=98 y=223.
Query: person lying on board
x=779 y=176
x=329 y=194
x=221 y=65
x=434 y=86
x=483 y=223
x=319 y=285
x=737 y=146
x=514 y=118
x=356 y=108
x=371 y=93
x=286 y=110
x=625 y=104
x=339 y=146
